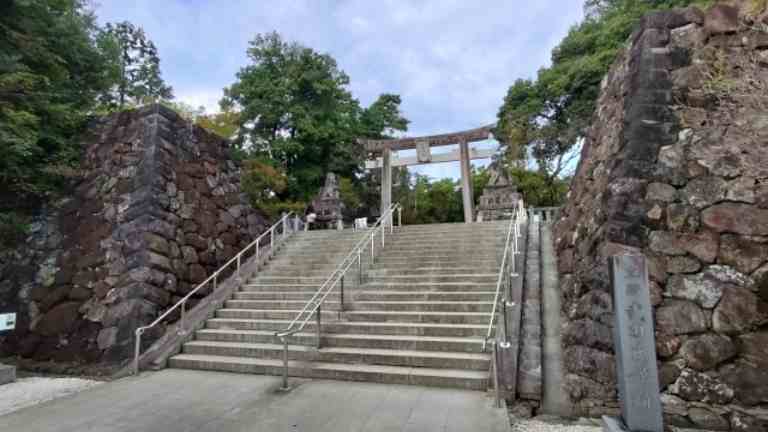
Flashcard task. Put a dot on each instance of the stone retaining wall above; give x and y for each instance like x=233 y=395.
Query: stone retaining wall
x=159 y=208
x=675 y=167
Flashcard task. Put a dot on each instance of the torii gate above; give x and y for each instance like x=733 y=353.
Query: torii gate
x=424 y=155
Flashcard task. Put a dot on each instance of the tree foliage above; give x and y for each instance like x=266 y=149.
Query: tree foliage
x=224 y=123
x=547 y=117
x=53 y=66
x=138 y=67
x=295 y=109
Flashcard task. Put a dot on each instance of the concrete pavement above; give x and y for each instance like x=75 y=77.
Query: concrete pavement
x=175 y=400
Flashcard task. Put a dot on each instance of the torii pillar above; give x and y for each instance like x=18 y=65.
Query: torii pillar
x=466 y=183
x=386 y=179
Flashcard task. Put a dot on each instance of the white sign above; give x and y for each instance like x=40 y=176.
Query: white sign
x=422 y=152
x=7 y=321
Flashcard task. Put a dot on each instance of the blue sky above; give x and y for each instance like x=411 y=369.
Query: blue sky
x=451 y=61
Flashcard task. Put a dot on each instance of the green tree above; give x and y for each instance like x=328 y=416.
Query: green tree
x=225 y=123
x=139 y=77
x=383 y=118
x=53 y=65
x=547 y=117
x=295 y=109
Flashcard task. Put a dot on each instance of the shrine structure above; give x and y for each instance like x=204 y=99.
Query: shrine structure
x=382 y=155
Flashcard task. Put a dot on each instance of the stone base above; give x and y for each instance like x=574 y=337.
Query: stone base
x=613 y=424
x=7 y=374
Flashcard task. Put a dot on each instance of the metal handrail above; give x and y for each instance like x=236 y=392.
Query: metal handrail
x=512 y=230
x=315 y=303
x=272 y=232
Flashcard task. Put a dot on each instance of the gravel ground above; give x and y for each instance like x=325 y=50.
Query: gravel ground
x=36 y=390
x=542 y=426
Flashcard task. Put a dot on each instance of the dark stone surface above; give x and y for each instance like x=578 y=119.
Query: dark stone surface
x=108 y=258
x=749 y=380
x=706 y=351
x=671 y=169
x=738 y=311
x=698 y=387
x=680 y=317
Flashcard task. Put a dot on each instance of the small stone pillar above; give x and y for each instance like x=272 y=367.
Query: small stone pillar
x=500 y=198
x=328 y=205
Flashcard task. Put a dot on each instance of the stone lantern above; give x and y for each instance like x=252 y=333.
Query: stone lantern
x=500 y=197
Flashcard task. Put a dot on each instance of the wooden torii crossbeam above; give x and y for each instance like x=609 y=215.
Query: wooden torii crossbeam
x=384 y=148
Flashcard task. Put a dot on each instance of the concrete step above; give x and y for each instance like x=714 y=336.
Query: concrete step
x=442 y=241
x=373 y=356
x=377 y=295
x=417 y=271
x=395 y=262
x=288 y=280
x=328 y=247
x=414 y=329
x=280 y=269
x=294 y=272
x=441 y=254
x=315 y=255
x=281 y=295
x=325 y=234
x=329 y=316
x=450 y=227
x=280 y=287
x=430 y=286
x=349 y=340
x=473 y=380
x=276 y=304
x=446 y=241
x=305 y=261
x=355 y=295
x=487 y=278
x=418 y=316
x=379 y=286
x=426 y=306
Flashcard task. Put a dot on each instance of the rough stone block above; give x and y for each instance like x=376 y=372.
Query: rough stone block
x=7 y=374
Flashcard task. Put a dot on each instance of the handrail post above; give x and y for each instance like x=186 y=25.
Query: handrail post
x=136 y=351
x=272 y=241
x=373 y=245
x=318 y=325
x=359 y=267
x=258 y=263
x=341 y=304
x=383 y=228
x=506 y=324
x=495 y=367
x=399 y=216
x=238 y=265
x=183 y=325
x=285 y=364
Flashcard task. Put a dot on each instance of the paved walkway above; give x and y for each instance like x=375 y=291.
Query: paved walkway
x=182 y=400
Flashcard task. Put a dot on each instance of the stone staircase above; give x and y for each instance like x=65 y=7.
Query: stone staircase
x=419 y=317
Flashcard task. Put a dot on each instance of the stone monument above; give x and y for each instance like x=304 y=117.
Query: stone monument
x=7 y=372
x=635 y=348
x=500 y=197
x=327 y=204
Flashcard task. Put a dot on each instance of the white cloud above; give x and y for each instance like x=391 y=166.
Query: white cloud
x=450 y=60
x=207 y=98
